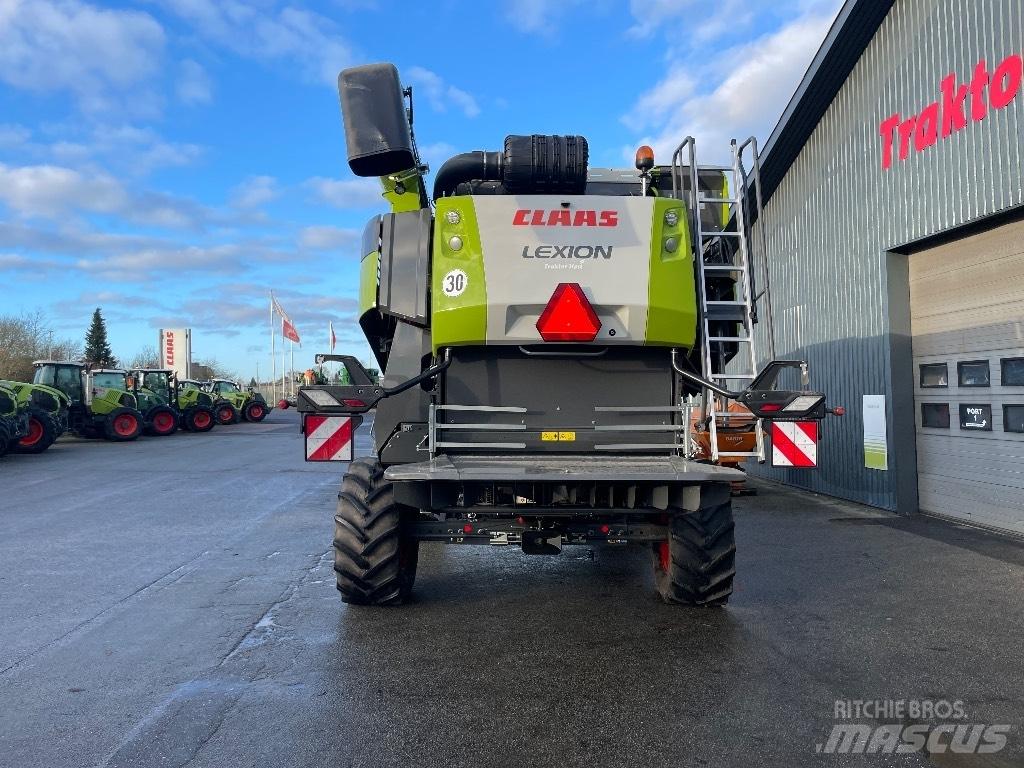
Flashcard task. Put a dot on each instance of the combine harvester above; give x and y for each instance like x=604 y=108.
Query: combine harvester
x=546 y=331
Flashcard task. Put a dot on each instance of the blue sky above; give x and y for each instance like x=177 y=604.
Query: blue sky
x=172 y=161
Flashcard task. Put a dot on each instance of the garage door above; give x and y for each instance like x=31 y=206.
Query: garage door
x=967 y=320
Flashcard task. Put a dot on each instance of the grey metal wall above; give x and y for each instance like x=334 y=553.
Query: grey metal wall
x=832 y=223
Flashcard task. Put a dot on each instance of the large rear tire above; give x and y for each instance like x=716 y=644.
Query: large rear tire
x=226 y=413
x=375 y=561
x=122 y=425
x=162 y=421
x=6 y=435
x=255 y=411
x=199 y=418
x=42 y=432
x=697 y=563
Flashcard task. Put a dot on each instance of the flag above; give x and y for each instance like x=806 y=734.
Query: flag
x=287 y=326
x=334 y=339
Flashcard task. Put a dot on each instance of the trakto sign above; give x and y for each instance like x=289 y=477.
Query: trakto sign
x=959 y=103
x=176 y=351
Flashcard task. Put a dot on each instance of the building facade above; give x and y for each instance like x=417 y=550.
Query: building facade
x=893 y=186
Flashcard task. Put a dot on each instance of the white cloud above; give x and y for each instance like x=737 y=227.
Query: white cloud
x=254 y=192
x=55 y=192
x=14 y=135
x=100 y=55
x=327 y=238
x=194 y=86
x=759 y=78
x=346 y=193
x=435 y=154
x=440 y=95
x=308 y=38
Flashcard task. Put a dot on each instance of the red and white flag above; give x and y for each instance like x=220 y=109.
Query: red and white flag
x=334 y=339
x=287 y=326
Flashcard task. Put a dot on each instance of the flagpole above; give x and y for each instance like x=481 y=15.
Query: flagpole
x=291 y=345
x=273 y=350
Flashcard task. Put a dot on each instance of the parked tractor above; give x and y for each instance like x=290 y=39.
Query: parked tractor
x=100 y=405
x=13 y=420
x=46 y=409
x=545 y=330
x=197 y=406
x=247 y=404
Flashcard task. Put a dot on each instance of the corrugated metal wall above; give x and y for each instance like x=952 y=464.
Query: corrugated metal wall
x=837 y=213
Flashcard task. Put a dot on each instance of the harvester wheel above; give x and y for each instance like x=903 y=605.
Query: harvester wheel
x=42 y=433
x=374 y=560
x=199 y=418
x=696 y=565
x=122 y=424
x=226 y=413
x=162 y=421
x=255 y=411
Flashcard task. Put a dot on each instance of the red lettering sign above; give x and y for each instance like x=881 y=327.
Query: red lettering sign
x=169 y=347
x=563 y=217
x=949 y=114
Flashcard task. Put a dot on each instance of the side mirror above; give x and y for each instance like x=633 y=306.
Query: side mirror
x=377 y=131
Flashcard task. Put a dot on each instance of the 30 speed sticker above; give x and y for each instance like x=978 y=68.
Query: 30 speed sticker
x=454 y=283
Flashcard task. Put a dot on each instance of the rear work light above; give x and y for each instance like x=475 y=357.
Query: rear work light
x=568 y=316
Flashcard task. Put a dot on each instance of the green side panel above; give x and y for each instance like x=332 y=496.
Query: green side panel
x=369 y=272
x=462 y=319
x=672 y=298
x=402 y=195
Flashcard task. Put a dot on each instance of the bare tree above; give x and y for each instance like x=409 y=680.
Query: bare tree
x=212 y=368
x=147 y=357
x=28 y=337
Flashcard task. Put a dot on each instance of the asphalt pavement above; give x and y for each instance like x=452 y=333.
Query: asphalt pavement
x=171 y=602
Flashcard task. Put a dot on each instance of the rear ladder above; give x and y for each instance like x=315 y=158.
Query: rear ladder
x=718 y=254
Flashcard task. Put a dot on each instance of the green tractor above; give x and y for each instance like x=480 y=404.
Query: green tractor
x=247 y=404
x=13 y=420
x=162 y=400
x=100 y=404
x=46 y=410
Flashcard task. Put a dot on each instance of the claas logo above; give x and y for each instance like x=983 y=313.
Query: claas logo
x=563 y=217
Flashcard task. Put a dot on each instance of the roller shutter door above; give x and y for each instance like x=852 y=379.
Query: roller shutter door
x=967 y=320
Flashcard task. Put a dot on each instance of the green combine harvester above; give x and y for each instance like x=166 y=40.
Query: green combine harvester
x=545 y=330
x=168 y=407
x=100 y=405
x=246 y=404
x=46 y=410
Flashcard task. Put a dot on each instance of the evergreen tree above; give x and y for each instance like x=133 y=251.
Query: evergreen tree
x=97 y=348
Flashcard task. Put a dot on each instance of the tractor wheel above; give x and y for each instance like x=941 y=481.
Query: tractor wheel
x=696 y=565
x=199 y=418
x=6 y=436
x=162 y=421
x=255 y=411
x=42 y=433
x=122 y=424
x=374 y=560
x=226 y=413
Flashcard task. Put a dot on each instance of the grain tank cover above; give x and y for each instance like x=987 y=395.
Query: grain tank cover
x=377 y=132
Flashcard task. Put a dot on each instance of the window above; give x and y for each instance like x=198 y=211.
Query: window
x=1013 y=418
x=1012 y=372
x=975 y=417
x=935 y=415
x=934 y=375
x=974 y=373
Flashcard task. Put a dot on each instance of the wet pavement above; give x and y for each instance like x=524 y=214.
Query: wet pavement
x=171 y=603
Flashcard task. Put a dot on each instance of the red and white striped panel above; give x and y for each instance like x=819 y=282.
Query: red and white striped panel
x=328 y=438
x=794 y=443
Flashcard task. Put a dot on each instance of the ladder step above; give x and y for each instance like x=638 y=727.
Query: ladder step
x=712 y=235
x=726 y=303
x=726 y=376
x=730 y=200
x=724 y=268
x=737 y=339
